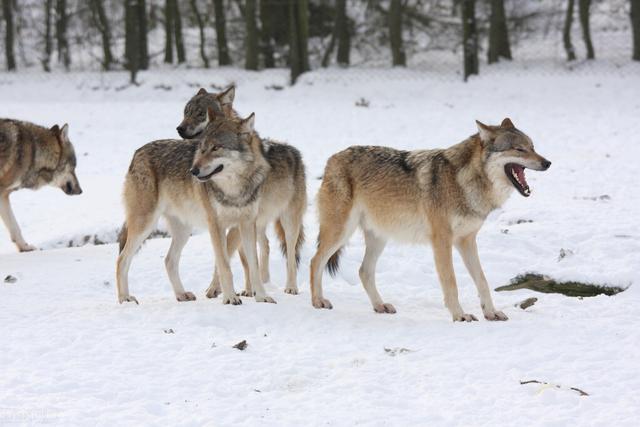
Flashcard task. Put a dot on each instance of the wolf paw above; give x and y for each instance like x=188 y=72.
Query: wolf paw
x=127 y=298
x=213 y=292
x=465 y=318
x=291 y=291
x=25 y=247
x=186 y=296
x=495 y=315
x=232 y=299
x=247 y=293
x=321 y=303
x=384 y=308
x=265 y=298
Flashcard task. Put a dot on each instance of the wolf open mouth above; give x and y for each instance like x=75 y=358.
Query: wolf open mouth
x=215 y=171
x=515 y=173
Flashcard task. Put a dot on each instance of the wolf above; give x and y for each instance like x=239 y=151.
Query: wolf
x=33 y=156
x=196 y=114
x=439 y=197
x=284 y=196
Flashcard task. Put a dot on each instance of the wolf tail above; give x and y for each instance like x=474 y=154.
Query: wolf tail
x=283 y=242
x=122 y=236
x=333 y=265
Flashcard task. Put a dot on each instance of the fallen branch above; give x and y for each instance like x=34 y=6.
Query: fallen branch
x=576 y=389
x=540 y=283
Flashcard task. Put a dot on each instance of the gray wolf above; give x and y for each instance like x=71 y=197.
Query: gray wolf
x=214 y=182
x=32 y=156
x=195 y=112
x=439 y=197
x=284 y=194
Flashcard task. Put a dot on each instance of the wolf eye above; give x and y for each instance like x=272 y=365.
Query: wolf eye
x=214 y=148
x=522 y=150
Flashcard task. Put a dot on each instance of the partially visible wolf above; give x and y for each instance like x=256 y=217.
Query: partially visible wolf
x=441 y=197
x=195 y=112
x=32 y=156
x=285 y=196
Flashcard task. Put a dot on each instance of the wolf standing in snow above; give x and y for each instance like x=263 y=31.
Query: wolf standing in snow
x=284 y=196
x=32 y=156
x=441 y=197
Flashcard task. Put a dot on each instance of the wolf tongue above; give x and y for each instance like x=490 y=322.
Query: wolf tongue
x=519 y=170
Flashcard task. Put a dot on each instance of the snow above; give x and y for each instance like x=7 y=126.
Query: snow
x=70 y=355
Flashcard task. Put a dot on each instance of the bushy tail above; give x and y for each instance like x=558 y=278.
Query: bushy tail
x=283 y=241
x=122 y=236
x=333 y=265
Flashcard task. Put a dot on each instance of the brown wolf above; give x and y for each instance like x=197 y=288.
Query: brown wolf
x=32 y=156
x=284 y=195
x=441 y=197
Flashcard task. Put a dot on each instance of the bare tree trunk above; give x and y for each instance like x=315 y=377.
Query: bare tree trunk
x=199 y=20
x=395 y=33
x=635 y=24
x=143 y=43
x=177 y=22
x=326 y=58
x=251 y=54
x=99 y=18
x=343 y=33
x=48 y=43
x=7 y=11
x=298 y=38
x=266 y=33
x=61 y=33
x=221 y=33
x=566 y=32
x=469 y=38
x=498 y=33
x=583 y=9
x=132 y=39
x=168 y=31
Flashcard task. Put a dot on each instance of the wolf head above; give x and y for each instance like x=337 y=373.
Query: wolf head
x=510 y=150
x=64 y=175
x=195 y=112
x=226 y=148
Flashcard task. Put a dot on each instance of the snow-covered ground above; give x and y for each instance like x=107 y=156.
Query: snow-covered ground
x=70 y=355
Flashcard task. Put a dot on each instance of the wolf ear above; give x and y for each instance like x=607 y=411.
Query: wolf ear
x=507 y=123
x=64 y=132
x=211 y=114
x=246 y=125
x=227 y=97
x=55 y=129
x=202 y=91
x=485 y=132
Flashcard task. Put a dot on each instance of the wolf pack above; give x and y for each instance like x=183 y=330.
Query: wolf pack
x=224 y=177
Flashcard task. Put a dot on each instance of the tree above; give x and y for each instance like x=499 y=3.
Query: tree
x=583 y=11
x=566 y=32
x=200 y=22
x=177 y=22
x=7 y=11
x=251 y=54
x=498 y=33
x=469 y=38
x=100 y=21
x=168 y=31
x=635 y=24
x=266 y=32
x=341 y=34
x=221 y=33
x=143 y=49
x=395 y=33
x=48 y=43
x=298 y=38
x=132 y=39
x=61 y=33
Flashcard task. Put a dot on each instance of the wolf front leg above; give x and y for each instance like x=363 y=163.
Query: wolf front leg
x=468 y=250
x=442 y=253
x=248 y=237
x=12 y=225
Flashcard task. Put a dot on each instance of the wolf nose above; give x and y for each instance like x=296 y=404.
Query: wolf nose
x=546 y=164
x=180 y=129
x=195 y=171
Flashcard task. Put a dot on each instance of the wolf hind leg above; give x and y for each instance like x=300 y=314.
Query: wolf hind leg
x=374 y=247
x=138 y=229
x=180 y=234
x=291 y=228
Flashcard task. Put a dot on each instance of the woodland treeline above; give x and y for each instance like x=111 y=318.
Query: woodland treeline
x=297 y=34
